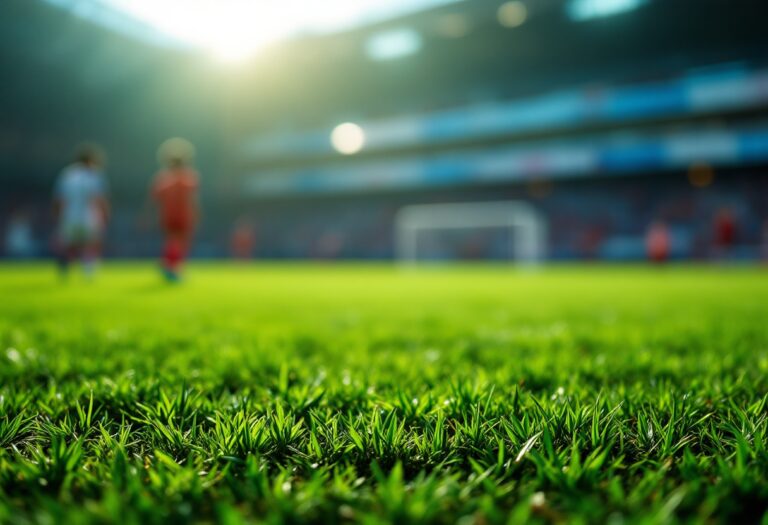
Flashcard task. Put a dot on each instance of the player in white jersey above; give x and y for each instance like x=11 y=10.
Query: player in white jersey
x=81 y=208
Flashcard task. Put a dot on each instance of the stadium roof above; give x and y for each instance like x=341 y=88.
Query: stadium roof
x=89 y=80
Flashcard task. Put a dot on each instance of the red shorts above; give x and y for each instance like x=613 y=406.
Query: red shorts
x=178 y=225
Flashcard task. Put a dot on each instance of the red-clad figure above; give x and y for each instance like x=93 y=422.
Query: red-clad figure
x=175 y=193
x=725 y=232
x=657 y=242
x=243 y=241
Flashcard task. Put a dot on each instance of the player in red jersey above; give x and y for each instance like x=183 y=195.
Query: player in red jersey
x=657 y=242
x=725 y=233
x=175 y=193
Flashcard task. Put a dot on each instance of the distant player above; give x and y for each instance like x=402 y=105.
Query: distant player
x=725 y=233
x=657 y=243
x=81 y=209
x=175 y=193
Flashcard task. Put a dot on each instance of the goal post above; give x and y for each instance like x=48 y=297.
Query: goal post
x=527 y=226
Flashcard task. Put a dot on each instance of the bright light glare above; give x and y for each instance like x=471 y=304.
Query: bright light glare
x=587 y=9
x=348 y=138
x=394 y=43
x=232 y=30
x=512 y=14
x=236 y=29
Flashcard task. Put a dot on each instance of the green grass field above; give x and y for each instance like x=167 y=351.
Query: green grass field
x=302 y=393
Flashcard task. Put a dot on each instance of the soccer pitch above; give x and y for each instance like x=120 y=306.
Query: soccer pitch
x=354 y=393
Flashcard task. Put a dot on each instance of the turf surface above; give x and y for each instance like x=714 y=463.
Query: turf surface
x=364 y=394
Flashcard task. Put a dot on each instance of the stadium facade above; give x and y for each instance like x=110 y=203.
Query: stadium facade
x=606 y=122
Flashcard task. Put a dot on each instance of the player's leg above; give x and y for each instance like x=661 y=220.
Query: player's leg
x=178 y=236
x=64 y=259
x=66 y=249
x=90 y=254
x=183 y=239
x=172 y=255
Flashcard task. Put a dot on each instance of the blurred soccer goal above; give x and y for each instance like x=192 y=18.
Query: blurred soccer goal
x=418 y=227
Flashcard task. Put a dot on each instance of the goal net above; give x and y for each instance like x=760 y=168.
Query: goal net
x=500 y=230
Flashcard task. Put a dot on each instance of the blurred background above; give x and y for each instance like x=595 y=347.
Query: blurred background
x=415 y=129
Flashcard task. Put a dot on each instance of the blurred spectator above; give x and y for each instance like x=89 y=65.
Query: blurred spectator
x=19 y=241
x=764 y=242
x=174 y=191
x=81 y=209
x=590 y=241
x=243 y=240
x=329 y=245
